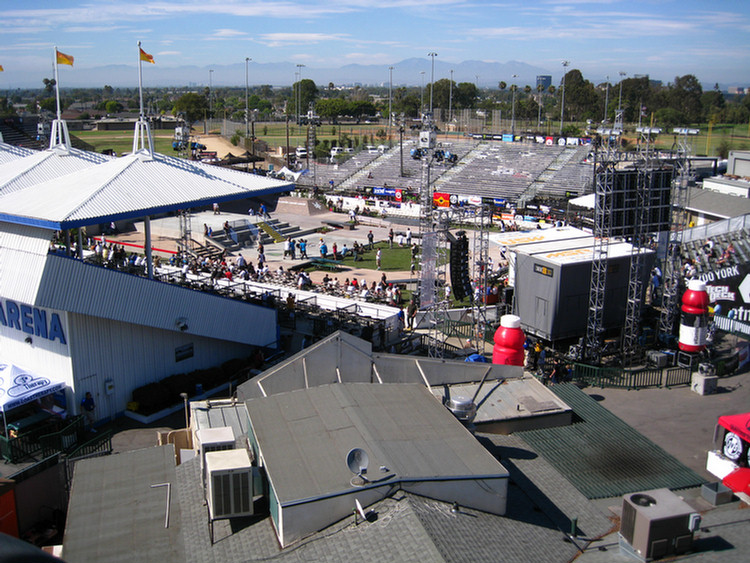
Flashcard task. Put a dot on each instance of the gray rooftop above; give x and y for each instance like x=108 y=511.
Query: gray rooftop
x=717 y=204
x=305 y=436
x=115 y=515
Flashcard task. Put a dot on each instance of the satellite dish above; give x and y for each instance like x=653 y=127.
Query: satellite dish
x=357 y=460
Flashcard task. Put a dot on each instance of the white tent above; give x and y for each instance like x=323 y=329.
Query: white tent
x=19 y=386
x=587 y=201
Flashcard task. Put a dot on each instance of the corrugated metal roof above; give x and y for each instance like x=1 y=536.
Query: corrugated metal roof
x=603 y=456
x=46 y=165
x=716 y=203
x=305 y=436
x=69 y=284
x=130 y=186
x=9 y=153
x=23 y=252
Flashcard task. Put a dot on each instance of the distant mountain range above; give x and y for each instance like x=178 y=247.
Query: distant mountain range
x=405 y=73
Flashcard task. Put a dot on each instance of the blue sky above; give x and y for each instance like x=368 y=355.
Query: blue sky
x=662 y=38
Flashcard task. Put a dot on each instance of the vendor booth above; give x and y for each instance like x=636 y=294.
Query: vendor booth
x=19 y=388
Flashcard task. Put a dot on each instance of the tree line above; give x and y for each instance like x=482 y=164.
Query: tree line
x=680 y=102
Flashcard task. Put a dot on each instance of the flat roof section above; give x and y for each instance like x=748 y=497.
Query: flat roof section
x=510 y=405
x=116 y=515
x=602 y=456
x=305 y=435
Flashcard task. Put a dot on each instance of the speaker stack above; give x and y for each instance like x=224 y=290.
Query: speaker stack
x=459 y=258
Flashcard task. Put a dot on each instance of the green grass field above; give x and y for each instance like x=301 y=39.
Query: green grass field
x=122 y=141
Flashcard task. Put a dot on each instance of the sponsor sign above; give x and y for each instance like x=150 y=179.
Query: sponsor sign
x=32 y=320
x=441 y=200
x=384 y=191
x=544 y=270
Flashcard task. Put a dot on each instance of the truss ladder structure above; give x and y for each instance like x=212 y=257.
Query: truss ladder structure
x=631 y=349
x=185 y=244
x=481 y=265
x=604 y=171
x=672 y=274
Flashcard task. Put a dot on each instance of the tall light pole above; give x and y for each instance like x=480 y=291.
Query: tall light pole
x=390 y=102
x=210 y=93
x=432 y=77
x=622 y=76
x=299 y=92
x=606 y=101
x=562 y=103
x=450 y=99
x=247 y=104
x=295 y=91
x=421 y=95
x=539 y=101
x=513 y=87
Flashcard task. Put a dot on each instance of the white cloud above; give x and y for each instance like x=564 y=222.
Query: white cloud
x=169 y=53
x=227 y=34
x=283 y=38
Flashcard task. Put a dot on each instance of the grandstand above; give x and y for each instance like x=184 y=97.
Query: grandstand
x=514 y=171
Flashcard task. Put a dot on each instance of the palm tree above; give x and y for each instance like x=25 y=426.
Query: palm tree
x=502 y=85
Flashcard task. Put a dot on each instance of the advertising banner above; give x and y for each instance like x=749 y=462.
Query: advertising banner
x=441 y=200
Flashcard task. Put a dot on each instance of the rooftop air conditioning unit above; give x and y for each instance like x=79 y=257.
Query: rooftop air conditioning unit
x=229 y=484
x=656 y=523
x=214 y=440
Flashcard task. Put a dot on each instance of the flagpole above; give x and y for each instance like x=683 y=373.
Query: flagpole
x=57 y=84
x=140 y=77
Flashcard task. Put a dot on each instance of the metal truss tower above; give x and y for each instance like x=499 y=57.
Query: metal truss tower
x=185 y=244
x=605 y=162
x=672 y=276
x=481 y=254
x=631 y=350
x=432 y=230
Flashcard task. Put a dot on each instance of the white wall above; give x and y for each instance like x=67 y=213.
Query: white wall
x=132 y=356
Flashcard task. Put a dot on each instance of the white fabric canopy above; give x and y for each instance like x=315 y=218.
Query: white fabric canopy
x=19 y=386
x=587 y=201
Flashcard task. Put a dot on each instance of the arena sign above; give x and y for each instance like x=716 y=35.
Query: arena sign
x=31 y=320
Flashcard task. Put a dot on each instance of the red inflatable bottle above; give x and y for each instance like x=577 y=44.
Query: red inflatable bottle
x=694 y=318
x=509 y=339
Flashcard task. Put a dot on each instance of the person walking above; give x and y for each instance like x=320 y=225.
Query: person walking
x=390 y=238
x=370 y=240
x=378 y=258
x=87 y=408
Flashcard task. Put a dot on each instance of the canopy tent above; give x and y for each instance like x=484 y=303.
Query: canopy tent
x=587 y=201
x=19 y=386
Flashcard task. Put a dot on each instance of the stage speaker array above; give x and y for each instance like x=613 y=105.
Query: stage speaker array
x=459 y=257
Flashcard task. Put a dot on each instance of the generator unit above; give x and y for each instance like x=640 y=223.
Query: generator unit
x=655 y=524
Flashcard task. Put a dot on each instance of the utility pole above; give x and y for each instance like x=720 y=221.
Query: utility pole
x=450 y=100
x=390 y=102
x=247 y=105
x=513 y=87
x=606 y=102
x=210 y=94
x=421 y=96
x=432 y=77
x=562 y=103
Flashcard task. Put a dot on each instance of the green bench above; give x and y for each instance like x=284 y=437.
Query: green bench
x=326 y=264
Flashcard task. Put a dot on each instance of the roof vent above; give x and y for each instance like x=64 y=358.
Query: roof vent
x=462 y=408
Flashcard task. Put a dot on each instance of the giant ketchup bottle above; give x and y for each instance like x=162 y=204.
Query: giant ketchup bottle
x=509 y=339
x=694 y=318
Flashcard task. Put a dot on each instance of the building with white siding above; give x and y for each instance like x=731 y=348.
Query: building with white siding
x=102 y=330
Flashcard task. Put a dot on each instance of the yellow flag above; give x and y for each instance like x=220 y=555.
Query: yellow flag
x=63 y=59
x=1 y=68
x=146 y=57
